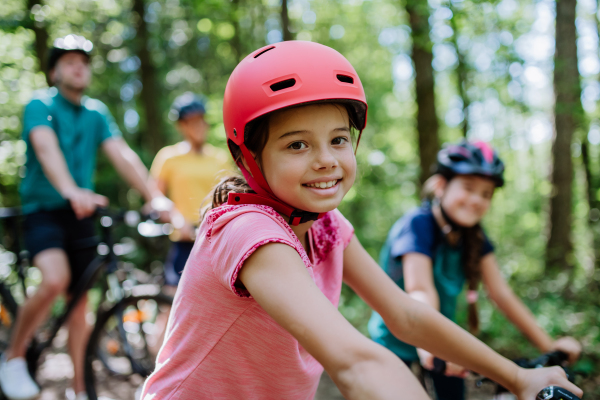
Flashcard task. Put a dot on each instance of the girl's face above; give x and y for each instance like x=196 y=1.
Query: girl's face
x=466 y=198
x=308 y=159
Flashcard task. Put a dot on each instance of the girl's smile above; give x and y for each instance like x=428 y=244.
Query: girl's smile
x=466 y=198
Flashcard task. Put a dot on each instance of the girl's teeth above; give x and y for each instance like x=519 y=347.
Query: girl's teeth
x=322 y=185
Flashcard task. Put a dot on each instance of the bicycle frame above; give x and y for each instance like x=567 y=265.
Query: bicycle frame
x=106 y=262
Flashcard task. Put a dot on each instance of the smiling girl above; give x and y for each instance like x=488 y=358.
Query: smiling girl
x=433 y=250
x=255 y=314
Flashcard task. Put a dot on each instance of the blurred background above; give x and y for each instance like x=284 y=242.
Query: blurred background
x=434 y=71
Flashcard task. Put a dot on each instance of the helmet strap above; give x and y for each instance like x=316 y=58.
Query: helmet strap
x=264 y=195
x=450 y=224
x=453 y=225
x=255 y=177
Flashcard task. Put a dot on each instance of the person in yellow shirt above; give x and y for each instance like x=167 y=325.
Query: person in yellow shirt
x=186 y=172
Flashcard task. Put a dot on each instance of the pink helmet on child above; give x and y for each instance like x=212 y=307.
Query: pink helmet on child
x=275 y=77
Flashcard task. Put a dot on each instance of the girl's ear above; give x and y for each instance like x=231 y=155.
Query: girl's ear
x=439 y=186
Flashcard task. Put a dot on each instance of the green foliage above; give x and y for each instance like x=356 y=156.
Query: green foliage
x=195 y=45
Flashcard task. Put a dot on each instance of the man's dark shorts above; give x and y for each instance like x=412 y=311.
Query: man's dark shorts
x=176 y=259
x=61 y=229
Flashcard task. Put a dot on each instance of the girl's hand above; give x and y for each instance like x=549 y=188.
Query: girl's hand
x=568 y=345
x=456 y=370
x=529 y=382
x=426 y=359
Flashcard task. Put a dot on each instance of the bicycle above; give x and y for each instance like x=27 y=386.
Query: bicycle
x=118 y=286
x=555 y=358
x=122 y=348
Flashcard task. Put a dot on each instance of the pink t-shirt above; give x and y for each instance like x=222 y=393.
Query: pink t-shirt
x=220 y=343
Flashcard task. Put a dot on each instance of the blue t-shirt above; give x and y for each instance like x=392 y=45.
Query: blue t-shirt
x=418 y=232
x=80 y=129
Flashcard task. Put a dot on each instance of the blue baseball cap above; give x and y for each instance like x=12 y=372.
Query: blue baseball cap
x=186 y=104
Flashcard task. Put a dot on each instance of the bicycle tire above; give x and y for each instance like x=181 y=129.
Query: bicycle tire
x=107 y=349
x=8 y=314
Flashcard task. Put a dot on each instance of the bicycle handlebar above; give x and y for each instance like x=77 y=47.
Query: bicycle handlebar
x=555 y=358
x=556 y=393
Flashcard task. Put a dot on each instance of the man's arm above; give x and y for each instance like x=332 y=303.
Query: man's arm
x=130 y=167
x=47 y=150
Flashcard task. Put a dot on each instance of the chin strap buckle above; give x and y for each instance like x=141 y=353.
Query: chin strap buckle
x=299 y=217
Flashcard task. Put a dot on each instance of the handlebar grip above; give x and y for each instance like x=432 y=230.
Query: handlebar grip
x=556 y=393
x=558 y=355
x=439 y=365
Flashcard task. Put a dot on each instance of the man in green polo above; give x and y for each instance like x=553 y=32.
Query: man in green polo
x=63 y=130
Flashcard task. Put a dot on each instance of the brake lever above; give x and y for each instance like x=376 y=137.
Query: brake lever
x=556 y=393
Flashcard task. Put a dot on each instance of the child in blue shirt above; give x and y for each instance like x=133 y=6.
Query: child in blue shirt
x=432 y=251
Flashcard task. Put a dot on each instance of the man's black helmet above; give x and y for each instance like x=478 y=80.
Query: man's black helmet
x=470 y=158
x=186 y=104
x=67 y=44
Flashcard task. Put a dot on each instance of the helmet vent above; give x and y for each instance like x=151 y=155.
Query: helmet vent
x=345 y=78
x=288 y=83
x=264 y=51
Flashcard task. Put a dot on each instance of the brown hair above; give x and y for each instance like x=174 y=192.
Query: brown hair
x=256 y=135
x=473 y=239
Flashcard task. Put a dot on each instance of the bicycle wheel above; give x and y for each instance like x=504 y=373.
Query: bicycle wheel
x=122 y=348
x=8 y=313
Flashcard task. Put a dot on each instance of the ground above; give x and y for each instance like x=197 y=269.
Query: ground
x=56 y=371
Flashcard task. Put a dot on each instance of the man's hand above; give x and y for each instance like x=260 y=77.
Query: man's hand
x=161 y=206
x=84 y=202
x=568 y=345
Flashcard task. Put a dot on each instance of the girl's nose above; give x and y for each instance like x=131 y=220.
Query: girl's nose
x=324 y=159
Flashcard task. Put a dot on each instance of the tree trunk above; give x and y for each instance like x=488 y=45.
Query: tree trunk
x=461 y=73
x=41 y=38
x=236 y=40
x=152 y=139
x=427 y=123
x=285 y=21
x=567 y=116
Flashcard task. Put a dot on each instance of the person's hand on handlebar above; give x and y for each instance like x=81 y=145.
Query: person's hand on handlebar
x=161 y=205
x=529 y=382
x=84 y=202
x=427 y=361
x=569 y=346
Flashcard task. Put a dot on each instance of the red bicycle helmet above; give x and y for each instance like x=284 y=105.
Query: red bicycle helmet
x=275 y=77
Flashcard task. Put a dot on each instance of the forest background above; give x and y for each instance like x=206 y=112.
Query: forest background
x=433 y=72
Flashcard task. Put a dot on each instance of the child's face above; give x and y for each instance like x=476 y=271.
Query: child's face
x=466 y=198
x=308 y=160
x=193 y=128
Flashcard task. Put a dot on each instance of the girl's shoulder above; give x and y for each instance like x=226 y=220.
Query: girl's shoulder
x=331 y=230
x=245 y=217
x=420 y=219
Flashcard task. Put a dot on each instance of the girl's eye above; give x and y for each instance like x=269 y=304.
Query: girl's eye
x=339 y=140
x=297 y=146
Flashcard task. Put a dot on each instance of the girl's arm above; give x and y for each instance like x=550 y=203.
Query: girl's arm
x=506 y=300
x=422 y=326
x=419 y=284
x=278 y=280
